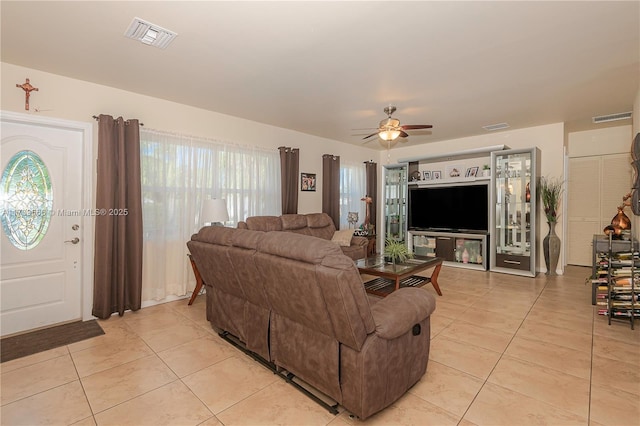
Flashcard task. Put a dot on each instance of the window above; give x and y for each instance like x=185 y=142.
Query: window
x=353 y=188
x=27 y=198
x=178 y=174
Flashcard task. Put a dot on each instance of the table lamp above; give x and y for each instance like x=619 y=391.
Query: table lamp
x=214 y=211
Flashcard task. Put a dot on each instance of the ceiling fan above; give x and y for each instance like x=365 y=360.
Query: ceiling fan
x=390 y=128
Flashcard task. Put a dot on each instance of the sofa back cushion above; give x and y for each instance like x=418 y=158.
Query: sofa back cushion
x=320 y=225
x=244 y=245
x=296 y=223
x=264 y=223
x=209 y=249
x=309 y=281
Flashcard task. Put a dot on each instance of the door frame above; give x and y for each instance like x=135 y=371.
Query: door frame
x=87 y=223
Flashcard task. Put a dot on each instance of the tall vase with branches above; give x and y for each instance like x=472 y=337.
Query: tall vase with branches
x=550 y=190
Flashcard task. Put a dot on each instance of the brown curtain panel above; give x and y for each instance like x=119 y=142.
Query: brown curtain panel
x=372 y=189
x=331 y=187
x=118 y=238
x=289 y=168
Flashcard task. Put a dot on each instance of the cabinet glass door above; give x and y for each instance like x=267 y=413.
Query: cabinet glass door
x=512 y=231
x=469 y=251
x=395 y=199
x=513 y=217
x=424 y=245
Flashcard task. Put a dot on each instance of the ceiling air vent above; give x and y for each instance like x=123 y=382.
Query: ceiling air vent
x=148 y=33
x=493 y=127
x=612 y=117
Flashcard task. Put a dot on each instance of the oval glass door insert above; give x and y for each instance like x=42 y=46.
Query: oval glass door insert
x=27 y=200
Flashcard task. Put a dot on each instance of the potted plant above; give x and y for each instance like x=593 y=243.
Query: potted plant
x=486 y=170
x=397 y=251
x=550 y=190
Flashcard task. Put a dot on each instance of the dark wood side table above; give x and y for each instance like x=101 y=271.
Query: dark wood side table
x=199 y=281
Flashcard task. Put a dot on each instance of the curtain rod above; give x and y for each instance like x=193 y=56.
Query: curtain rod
x=95 y=117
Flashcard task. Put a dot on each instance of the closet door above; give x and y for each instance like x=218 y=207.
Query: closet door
x=595 y=188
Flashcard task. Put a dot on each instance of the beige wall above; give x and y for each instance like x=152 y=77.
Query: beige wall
x=78 y=100
x=609 y=140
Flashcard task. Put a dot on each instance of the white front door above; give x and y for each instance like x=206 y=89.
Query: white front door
x=41 y=268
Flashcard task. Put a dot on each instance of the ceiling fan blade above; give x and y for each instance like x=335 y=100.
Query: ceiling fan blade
x=416 y=126
x=403 y=134
x=372 y=134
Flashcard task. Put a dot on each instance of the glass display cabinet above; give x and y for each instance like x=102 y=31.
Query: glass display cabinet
x=513 y=219
x=395 y=202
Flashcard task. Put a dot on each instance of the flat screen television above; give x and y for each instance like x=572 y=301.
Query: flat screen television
x=449 y=208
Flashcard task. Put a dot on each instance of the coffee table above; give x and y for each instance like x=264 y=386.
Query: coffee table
x=392 y=277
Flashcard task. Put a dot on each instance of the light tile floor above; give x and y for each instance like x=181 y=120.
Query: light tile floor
x=505 y=350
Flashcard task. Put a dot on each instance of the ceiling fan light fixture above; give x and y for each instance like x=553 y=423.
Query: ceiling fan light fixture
x=389 y=134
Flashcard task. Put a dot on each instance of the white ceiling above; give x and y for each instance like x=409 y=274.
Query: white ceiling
x=327 y=68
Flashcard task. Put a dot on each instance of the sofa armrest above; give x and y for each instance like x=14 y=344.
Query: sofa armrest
x=359 y=241
x=397 y=313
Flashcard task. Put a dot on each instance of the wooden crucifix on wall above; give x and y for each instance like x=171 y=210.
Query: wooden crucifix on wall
x=28 y=88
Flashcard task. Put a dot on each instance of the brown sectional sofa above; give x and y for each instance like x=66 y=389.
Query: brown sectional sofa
x=299 y=303
x=314 y=224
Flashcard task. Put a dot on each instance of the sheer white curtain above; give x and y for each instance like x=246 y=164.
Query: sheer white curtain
x=178 y=173
x=353 y=187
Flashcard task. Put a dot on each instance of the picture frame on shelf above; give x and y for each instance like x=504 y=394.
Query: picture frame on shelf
x=453 y=171
x=308 y=181
x=426 y=175
x=436 y=174
x=472 y=171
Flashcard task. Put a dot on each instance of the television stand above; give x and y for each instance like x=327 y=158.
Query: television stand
x=460 y=249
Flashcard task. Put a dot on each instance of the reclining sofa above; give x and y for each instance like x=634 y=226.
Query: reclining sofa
x=299 y=303
x=315 y=224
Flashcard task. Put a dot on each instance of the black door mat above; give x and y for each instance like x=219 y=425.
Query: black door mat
x=48 y=338
x=386 y=286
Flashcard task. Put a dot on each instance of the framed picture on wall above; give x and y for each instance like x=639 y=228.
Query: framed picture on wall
x=308 y=181
x=426 y=175
x=436 y=174
x=472 y=172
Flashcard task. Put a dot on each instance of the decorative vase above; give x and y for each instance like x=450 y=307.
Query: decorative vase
x=621 y=220
x=551 y=248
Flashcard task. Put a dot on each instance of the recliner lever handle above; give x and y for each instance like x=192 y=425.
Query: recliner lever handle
x=416 y=330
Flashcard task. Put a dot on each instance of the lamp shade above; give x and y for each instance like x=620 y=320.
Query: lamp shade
x=214 y=211
x=389 y=134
